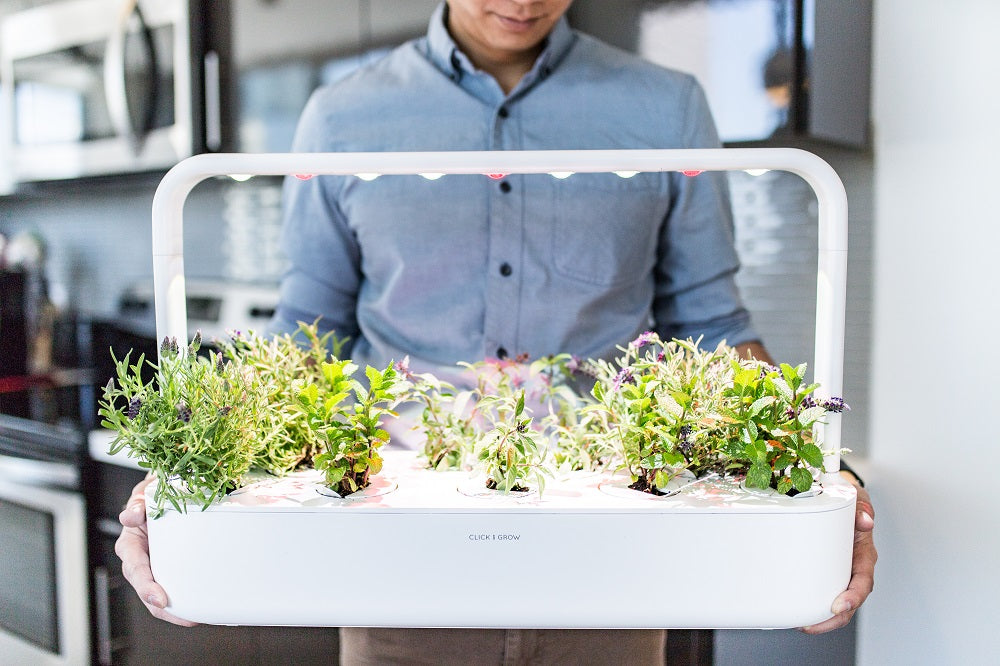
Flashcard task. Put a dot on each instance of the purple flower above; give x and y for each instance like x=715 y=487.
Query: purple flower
x=682 y=439
x=183 y=412
x=573 y=364
x=403 y=367
x=169 y=346
x=766 y=369
x=625 y=376
x=644 y=339
x=836 y=405
x=133 y=408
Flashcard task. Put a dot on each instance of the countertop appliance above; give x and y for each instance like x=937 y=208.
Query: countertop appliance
x=581 y=528
x=215 y=307
x=97 y=87
x=44 y=582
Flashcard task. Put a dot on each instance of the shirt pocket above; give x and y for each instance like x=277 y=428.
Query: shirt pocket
x=606 y=227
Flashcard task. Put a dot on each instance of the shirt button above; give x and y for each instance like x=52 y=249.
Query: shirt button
x=501 y=353
x=503 y=112
x=505 y=269
x=505 y=187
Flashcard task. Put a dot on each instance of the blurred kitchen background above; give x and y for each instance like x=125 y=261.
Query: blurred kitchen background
x=891 y=94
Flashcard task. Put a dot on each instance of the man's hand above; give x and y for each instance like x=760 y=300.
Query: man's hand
x=133 y=549
x=862 y=567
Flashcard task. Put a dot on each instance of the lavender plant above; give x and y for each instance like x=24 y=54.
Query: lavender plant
x=195 y=426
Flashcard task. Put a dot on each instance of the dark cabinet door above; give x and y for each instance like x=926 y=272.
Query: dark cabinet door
x=125 y=633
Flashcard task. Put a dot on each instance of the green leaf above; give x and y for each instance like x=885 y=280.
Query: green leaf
x=812 y=455
x=758 y=476
x=783 y=389
x=309 y=395
x=598 y=391
x=760 y=403
x=802 y=479
x=334 y=475
x=683 y=399
x=332 y=371
x=661 y=479
x=784 y=485
x=809 y=416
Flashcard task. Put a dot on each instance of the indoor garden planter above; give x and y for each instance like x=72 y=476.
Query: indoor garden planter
x=683 y=488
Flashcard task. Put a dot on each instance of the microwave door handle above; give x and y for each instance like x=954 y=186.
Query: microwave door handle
x=115 y=87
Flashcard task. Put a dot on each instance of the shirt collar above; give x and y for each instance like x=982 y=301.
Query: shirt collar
x=446 y=55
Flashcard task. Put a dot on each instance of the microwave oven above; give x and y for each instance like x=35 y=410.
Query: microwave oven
x=105 y=87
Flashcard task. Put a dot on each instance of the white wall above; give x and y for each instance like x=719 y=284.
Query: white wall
x=936 y=368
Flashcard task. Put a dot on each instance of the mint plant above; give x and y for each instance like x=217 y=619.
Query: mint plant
x=352 y=434
x=770 y=414
x=671 y=406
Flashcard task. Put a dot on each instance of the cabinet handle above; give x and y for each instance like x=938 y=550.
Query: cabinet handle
x=102 y=599
x=213 y=101
x=115 y=86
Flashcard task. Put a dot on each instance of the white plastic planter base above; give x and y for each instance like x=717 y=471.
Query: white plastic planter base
x=420 y=550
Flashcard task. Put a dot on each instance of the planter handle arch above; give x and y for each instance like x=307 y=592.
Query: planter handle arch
x=831 y=282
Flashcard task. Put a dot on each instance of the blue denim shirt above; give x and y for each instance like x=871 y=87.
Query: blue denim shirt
x=465 y=267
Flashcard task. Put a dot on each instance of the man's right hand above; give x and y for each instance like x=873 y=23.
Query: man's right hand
x=133 y=549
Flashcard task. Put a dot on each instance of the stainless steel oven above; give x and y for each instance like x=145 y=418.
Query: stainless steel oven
x=44 y=589
x=97 y=87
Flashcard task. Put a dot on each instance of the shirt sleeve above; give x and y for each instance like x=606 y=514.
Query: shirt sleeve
x=324 y=272
x=696 y=293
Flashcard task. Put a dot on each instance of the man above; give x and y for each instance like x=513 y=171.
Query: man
x=468 y=267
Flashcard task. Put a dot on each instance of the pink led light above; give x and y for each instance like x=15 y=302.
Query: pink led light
x=304 y=176
x=496 y=176
x=690 y=172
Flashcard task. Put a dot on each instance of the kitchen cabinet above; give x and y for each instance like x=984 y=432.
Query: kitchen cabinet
x=281 y=50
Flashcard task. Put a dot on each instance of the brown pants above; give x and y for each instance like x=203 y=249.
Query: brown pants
x=370 y=647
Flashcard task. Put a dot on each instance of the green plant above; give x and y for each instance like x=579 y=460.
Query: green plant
x=511 y=452
x=671 y=406
x=195 y=425
x=284 y=365
x=575 y=433
x=446 y=419
x=770 y=413
x=352 y=434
